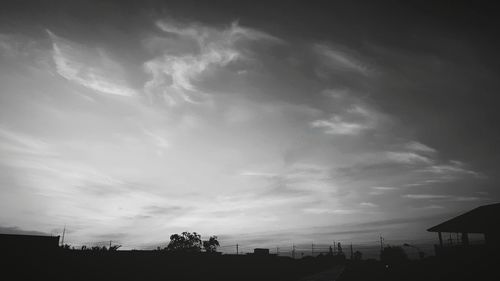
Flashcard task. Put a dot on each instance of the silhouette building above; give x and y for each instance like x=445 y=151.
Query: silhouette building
x=33 y=243
x=261 y=251
x=482 y=220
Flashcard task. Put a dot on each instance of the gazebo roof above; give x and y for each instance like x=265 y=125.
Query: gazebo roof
x=484 y=219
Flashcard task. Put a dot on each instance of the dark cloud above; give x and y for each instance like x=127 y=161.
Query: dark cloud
x=17 y=230
x=161 y=210
x=110 y=236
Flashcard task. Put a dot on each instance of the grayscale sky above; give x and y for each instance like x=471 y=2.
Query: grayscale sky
x=261 y=121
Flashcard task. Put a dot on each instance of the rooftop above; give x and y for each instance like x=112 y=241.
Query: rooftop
x=484 y=219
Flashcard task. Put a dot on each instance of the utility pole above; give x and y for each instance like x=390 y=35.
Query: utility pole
x=277 y=251
x=333 y=246
x=64 y=232
x=312 y=249
x=381 y=243
x=293 y=251
x=109 y=244
x=237 y=249
x=351 y=251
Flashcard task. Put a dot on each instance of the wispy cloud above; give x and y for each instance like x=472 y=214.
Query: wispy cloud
x=319 y=211
x=158 y=139
x=14 y=141
x=428 y=207
x=335 y=126
x=454 y=168
x=91 y=68
x=16 y=46
x=379 y=190
x=441 y=197
x=384 y=188
x=174 y=73
x=352 y=116
x=368 y=204
x=258 y=174
x=17 y=230
x=341 y=60
x=419 y=147
x=407 y=158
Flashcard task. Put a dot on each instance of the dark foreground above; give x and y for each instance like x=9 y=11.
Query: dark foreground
x=157 y=265
x=454 y=268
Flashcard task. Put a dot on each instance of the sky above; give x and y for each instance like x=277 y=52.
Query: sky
x=261 y=122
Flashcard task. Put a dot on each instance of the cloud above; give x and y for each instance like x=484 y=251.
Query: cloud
x=440 y=197
x=378 y=162
x=341 y=60
x=175 y=72
x=425 y=196
x=407 y=158
x=319 y=211
x=352 y=116
x=435 y=173
x=298 y=180
x=16 y=46
x=258 y=174
x=368 y=204
x=21 y=143
x=161 y=210
x=378 y=190
x=91 y=68
x=158 y=139
x=419 y=147
x=429 y=207
x=383 y=188
x=17 y=230
x=454 y=168
x=335 y=126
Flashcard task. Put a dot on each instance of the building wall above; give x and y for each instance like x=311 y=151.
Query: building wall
x=17 y=243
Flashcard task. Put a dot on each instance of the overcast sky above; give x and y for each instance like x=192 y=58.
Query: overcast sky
x=267 y=122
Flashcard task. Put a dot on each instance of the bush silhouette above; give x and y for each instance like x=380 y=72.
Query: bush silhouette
x=211 y=244
x=393 y=255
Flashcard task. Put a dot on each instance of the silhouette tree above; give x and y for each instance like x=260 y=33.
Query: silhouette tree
x=211 y=244
x=97 y=248
x=339 y=247
x=186 y=242
x=393 y=255
x=114 y=247
x=358 y=256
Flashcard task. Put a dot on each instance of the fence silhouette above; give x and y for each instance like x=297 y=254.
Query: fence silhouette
x=369 y=249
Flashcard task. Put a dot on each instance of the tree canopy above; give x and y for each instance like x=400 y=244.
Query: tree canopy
x=188 y=242
x=211 y=244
